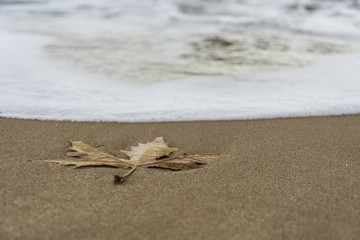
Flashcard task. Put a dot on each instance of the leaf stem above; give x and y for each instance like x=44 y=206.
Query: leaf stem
x=129 y=172
x=121 y=178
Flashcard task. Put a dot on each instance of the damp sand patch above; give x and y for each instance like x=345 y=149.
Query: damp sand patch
x=146 y=58
x=259 y=51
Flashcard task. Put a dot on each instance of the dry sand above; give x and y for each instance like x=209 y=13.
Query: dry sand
x=284 y=179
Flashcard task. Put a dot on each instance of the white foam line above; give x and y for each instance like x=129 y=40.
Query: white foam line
x=33 y=86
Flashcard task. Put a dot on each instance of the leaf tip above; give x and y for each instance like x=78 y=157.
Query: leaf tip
x=159 y=139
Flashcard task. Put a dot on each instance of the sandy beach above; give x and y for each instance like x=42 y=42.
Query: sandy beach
x=197 y=73
x=283 y=179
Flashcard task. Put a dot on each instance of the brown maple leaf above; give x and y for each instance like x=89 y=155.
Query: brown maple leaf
x=152 y=154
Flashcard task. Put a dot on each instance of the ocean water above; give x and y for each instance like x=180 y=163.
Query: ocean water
x=174 y=60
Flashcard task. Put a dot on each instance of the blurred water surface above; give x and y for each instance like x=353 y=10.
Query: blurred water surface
x=153 y=60
x=156 y=40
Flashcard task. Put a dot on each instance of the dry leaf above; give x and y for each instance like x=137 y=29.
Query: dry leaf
x=91 y=156
x=183 y=162
x=144 y=153
x=152 y=154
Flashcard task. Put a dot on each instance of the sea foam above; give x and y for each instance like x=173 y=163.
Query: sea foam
x=178 y=60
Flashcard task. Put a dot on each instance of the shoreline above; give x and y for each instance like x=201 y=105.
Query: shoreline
x=61 y=90
x=285 y=178
x=266 y=118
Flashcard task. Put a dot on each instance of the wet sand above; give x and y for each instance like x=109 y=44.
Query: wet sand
x=283 y=179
